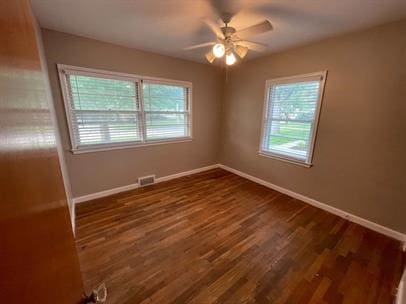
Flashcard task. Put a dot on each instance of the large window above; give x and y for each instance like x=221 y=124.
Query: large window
x=291 y=113
x=109 y=110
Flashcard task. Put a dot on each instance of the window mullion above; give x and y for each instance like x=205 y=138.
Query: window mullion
x=143 y=126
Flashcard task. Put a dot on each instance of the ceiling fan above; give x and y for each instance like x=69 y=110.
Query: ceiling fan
x=230 y=42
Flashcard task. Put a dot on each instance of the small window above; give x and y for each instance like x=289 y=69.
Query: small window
x=106 y=109
x=291 y=113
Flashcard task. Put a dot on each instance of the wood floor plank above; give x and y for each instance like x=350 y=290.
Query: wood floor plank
x=215 y=237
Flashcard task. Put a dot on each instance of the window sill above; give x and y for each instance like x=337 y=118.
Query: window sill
x=285 y=159
x=93 y=149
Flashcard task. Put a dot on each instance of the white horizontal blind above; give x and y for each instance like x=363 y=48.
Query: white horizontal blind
x=103 y=111
x=290 y=119
x=166 y=109
x=106 y=110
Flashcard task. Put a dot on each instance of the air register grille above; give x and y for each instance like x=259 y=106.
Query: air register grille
x=146 y=180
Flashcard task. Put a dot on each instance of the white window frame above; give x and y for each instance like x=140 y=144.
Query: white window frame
x=64 y=69
x=292 y=79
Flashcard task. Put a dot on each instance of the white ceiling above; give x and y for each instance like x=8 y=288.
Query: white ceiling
x=166 y=26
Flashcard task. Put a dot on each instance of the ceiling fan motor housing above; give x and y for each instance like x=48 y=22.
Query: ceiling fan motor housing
x=229 y=44
x=228 y=31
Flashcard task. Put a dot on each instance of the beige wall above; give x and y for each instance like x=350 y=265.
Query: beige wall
x=94 y=172
x=358 y=159
x=359 y=156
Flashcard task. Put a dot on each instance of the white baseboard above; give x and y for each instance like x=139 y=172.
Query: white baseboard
x=108 y=192
x=92 y=196
x=351 y=217
x=401 y=294
x=177 y=175
x=73 y=216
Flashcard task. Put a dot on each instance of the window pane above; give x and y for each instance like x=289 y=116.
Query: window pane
x=159 y=97
x=159 y=126
x=290 y=138
x=93 y=93
x=160 y=101
x=105 y=127
x=294 y=101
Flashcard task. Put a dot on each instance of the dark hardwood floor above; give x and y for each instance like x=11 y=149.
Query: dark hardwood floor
x=215 y=237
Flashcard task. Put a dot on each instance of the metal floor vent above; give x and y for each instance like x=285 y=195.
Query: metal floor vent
x=146 y=180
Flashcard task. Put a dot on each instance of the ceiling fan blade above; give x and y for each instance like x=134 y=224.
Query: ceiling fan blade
x=291 y=14
x=215 y=28
x=198 y=46
x=255 y=46
x=259 y=28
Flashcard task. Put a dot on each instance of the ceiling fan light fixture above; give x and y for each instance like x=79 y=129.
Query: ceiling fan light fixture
x=218 y=50
x=241 y=51
x=210 y=57
x=231 y=42
x=230 y=59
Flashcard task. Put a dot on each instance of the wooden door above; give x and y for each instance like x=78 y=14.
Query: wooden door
x=38 y=259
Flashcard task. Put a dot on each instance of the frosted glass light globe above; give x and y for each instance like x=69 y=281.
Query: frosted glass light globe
x=219 y=50
x=230 y=59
